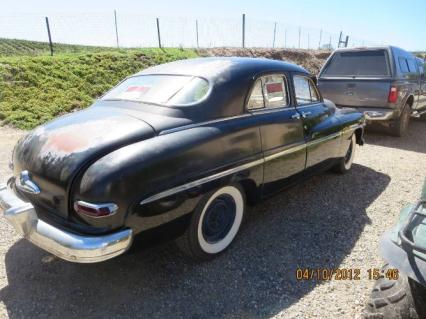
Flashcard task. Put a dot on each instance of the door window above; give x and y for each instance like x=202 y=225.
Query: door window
x=305 y=90
x=269 y=91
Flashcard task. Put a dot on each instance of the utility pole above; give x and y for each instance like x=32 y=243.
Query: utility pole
x=49 y=35
x=116 y=28
x=319 y=44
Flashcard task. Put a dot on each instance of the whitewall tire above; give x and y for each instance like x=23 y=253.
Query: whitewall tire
x=214 y=223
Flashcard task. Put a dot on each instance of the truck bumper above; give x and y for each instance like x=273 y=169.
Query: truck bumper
x=66 y=245
x=377 y=114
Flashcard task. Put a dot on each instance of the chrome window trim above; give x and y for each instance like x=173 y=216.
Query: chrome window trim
x=287 y=95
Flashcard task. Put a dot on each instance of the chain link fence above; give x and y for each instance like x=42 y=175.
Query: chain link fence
x=128 y=30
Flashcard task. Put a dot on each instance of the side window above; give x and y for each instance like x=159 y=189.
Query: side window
x=403 y=65
x=274 y=90
x=305 y=90
x=256 y=97
x=412 y=66
x=268 y=91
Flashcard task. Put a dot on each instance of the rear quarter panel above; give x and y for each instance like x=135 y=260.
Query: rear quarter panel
x=131 y=174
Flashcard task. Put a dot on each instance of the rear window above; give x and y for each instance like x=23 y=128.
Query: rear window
x=358 y=63
x=160 y=89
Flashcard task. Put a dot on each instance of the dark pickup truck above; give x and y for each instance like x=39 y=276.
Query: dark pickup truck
x=386 y=83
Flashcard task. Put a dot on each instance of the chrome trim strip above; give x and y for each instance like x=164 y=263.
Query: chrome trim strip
x=66 y=245
x=201 y=181
x=285 y=152
x=190 y=185
x=189 y=126
x=324 y=139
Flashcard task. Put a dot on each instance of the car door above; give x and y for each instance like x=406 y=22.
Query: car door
x=281 y=128
x=320 y=127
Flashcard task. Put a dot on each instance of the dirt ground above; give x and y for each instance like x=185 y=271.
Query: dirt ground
x=311 y=60
x=329 y=221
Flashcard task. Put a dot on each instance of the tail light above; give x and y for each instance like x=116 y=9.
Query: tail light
x=393 y=95
x=95 y=210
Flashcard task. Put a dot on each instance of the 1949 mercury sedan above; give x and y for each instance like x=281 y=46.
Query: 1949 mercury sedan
x=185 y=144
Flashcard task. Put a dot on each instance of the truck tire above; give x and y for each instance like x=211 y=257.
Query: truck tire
x=214 y=223
x=396 y=299
x=399 y=126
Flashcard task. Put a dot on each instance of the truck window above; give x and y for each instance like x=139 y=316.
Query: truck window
x=412 y=66
x=369 y=63
x=403 y=65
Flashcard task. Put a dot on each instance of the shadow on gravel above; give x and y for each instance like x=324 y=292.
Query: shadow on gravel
x=414 y=140
x=314 y=224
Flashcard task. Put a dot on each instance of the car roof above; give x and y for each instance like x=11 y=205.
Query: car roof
x=219 y=68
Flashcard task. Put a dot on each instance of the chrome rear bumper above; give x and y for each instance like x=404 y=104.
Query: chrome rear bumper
x=65 y=245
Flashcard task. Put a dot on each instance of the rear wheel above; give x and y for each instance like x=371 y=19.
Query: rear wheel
x=214 y=223
x=345 y=163
x=399 y=127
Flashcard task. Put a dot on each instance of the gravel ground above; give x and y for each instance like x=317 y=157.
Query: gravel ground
x=329 y=221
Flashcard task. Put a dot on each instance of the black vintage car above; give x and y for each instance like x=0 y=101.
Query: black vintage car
x=183 y=145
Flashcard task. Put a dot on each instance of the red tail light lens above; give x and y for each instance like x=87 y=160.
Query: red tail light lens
x=393 y=95
x=95 y=210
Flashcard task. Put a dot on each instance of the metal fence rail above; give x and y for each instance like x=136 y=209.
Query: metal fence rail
x=135 y=30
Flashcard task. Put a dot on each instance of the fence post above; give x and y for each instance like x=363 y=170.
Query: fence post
x=308 y=41
x=116 y=28
x=285 y=38
x=50 y=37
x=196 y=32
x=319 y=44
x=158 y=33
x=300 y=31
x=329 y=45
x=275 y=31
x=244 y=30
x=340 y=39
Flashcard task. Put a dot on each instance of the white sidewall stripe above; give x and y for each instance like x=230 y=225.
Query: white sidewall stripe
x=214 y=248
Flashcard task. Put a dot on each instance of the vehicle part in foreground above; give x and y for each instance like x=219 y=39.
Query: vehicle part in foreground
x=388 y=84
x=181 y=147
x=404 y=247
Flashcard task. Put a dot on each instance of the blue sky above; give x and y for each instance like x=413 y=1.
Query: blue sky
x=402 y=23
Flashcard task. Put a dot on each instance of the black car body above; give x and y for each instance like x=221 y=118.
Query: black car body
x=387 y=83
x=153 y=149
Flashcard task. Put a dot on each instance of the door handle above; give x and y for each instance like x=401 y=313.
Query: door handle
x=305 y=114
x=296 y=116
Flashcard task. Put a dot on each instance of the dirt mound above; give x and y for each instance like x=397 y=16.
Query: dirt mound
x=312 y=60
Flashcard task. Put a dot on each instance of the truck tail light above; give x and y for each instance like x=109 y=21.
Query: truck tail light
x=393 y=95
x=95 y=210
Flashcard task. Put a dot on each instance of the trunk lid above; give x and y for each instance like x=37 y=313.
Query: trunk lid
x=54 y=153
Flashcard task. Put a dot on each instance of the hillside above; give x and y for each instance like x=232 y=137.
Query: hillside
x=34 y=90
x=14 y=47
x=35 y=87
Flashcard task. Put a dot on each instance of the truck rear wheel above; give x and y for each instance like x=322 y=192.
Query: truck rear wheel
x=396 y=299
x=400 y=125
